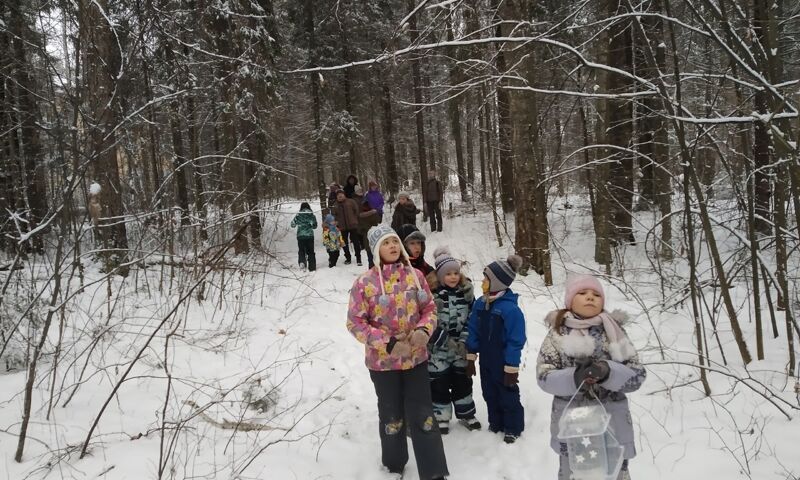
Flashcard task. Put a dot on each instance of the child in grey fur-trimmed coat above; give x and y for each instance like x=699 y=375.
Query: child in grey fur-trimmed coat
x=586 y=346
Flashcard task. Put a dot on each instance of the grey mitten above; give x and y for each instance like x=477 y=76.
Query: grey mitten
x=401 y=349
x=398 y=346
x=419 y=338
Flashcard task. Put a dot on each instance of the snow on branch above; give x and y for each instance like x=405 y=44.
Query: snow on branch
x=480 y=41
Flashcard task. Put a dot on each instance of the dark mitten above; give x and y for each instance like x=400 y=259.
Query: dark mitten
x=580 y=370
x=599 y=371
x=461 y=350
x=471 y=368
x=510 y=379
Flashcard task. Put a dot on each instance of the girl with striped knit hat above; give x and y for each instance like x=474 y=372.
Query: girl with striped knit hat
x=451 y=387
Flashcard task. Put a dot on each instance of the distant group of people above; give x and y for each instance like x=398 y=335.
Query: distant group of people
x=351 y=212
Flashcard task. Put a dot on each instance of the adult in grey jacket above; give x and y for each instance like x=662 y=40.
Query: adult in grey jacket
x=433 y=196
x=587 y=347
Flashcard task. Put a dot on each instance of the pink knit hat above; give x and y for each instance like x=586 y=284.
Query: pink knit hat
x=581 y=282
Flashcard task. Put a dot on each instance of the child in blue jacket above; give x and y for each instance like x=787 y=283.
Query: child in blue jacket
x=497 y=335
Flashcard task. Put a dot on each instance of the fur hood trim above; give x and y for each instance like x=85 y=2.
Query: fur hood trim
x=577 y=346
x=621 y=351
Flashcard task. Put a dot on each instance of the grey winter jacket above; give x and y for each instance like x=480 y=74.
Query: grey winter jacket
x=447 y=344
x=555 y=370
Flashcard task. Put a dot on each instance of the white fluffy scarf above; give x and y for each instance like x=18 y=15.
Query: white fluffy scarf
x=578 y=343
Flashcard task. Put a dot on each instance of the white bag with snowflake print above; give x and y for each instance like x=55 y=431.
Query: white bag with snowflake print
x=594 y=453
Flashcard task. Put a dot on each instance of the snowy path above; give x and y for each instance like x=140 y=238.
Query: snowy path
x=674 y=438
x=352 y=449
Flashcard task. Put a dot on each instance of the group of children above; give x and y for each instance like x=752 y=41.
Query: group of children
x=426 y=336
x=351 y=213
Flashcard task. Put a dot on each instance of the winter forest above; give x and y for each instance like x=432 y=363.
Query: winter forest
x=154 y=154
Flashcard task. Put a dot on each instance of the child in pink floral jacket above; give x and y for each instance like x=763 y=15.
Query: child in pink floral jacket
x=392 y=313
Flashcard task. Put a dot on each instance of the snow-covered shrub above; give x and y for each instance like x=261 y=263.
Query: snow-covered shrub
x=13 y=332
x=260 y=397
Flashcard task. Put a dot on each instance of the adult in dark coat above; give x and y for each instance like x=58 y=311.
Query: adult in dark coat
x=346 y=212
x=368 y=217
x=332 y=189
x=350 y=186
x=433 y=196
x=404 y=212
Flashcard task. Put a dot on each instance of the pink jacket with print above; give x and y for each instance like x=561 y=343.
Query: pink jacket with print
x=373 y=318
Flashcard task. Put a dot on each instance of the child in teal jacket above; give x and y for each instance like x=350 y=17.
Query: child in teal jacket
x=305 y=222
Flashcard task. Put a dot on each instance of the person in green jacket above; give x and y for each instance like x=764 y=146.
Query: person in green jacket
x=305 y=222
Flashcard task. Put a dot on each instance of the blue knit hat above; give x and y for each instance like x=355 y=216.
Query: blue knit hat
x=502 y=273
x=329 y=219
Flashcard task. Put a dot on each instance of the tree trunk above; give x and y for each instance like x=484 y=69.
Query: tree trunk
x=197 y=173
x=250 y=175
x=483 y=144
x=470 y=124
x=762 y=144
x=655 y=186
x=29 y=152
x=374 y=137
x=7 y=167
x=388 y=139
x=619 y=132
x=179 y=165
x=418 y=115
x=348 y=105
x=693 y=283
x=312 y=47
x=102 y=63
x=454 y=114
x=504 y=147
x=493 y=168
x=233 y=181
x=652 y=139
x=597 y=181
x=532 y=234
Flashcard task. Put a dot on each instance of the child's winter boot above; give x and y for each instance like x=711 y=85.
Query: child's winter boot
x=444 y=427
x=471 y=423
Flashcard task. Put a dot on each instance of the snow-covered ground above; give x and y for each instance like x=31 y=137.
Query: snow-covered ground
x=279 y=333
